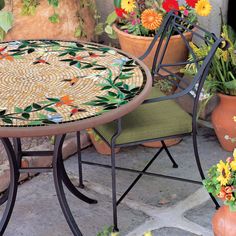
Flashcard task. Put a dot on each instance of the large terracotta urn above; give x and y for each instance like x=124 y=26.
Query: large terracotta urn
x=224 y=121
x=177 y=50
x=38 y=26
x=224 y=222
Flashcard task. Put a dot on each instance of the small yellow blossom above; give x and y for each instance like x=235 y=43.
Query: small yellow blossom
x=233 y=165
x=182 y=8
x=148 y=233
x=224 y=170
x=114 y=234
x=234 y=118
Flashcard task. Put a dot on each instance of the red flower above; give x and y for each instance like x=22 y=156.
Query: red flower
x=120 y=12
x=169 y=5
x=94 y=55
x=76 y=110
x=229 y=189
x=191 y=3
x=222 y=193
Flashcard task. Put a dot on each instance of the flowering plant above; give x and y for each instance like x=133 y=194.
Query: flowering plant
x=222 y=74
x=221 y=181
x=140 y=17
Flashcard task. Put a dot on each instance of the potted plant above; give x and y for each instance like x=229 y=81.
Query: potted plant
x=221 y=81
x=100 y=146
x=221 y=183
x=135 y=22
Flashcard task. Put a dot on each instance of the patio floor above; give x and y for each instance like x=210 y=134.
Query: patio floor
x=165 y=207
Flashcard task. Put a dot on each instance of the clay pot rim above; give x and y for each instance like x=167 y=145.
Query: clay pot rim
x=118 y=31
x=226 y=96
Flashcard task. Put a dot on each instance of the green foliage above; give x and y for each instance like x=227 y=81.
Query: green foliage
x=2 y=4
x=107 y=231
x=29 y=7
x=165 y=85
x=54 y=18
x=222 y=73
x=2 y=34
x=79 y=31
x=6 y=22
x=54 y=3
x=211 y=183
x=118 y=92
x=99 y=29
x=108 y=25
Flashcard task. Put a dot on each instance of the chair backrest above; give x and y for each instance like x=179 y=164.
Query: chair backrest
x=175 y=25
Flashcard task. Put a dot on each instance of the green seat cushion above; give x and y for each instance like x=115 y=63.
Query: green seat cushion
x=149 y=121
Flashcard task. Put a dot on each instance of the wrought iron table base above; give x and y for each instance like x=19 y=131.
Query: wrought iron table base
x=59 y=173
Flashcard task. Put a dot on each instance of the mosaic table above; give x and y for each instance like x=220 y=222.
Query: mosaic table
x=55 y=87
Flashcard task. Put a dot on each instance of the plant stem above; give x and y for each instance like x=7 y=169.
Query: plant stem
x=141 y=5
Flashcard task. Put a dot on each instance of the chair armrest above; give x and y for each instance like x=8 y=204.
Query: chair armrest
x=167 y=97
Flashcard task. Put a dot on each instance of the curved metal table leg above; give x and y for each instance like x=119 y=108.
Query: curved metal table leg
x=71 y=187
x=4 y=196
x=59 y=176
x=10 y=194
x=17 y=150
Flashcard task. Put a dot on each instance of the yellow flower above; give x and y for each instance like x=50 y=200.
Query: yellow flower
x=233 y=165
x=182 y=8
x=114 y=234
x=225 y=55
x=203 y=7
x=148 y=233
x=128 y=5
x=234 y=154
x=224 y=171
x=234 y=118
x=151 y=19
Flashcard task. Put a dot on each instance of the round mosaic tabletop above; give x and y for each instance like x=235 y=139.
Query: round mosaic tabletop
x=52 y=87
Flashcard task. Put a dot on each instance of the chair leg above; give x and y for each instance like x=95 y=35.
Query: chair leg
x=114 y=199
x=80 y=168
x=197 y=158
x=175 y=165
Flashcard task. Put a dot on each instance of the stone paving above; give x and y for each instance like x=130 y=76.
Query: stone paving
x=165 y=207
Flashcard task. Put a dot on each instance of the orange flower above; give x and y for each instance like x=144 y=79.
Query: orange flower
x=222 y=193
x=229 y=189
x=229 y=197
x=6 y=56
x=65 y=100
x=73 y=81
x=151 y=19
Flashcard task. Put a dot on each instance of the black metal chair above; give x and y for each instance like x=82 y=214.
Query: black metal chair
x=160 y=118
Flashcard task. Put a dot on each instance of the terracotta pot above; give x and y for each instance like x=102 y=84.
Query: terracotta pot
x=137 y=45
x=223 y=122
x=224 y=222
x=168 y=142
x=100 y=146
